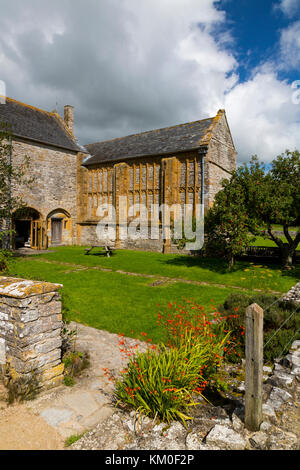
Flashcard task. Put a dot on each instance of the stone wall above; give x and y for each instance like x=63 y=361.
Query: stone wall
x=171 y=180
x=220 y=159
x=54 y=189
x=30 y=330
x=163 y=179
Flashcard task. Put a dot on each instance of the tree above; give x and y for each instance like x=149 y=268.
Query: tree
x=257 y=197
x=274 y=199
x=10 y=176
x=228 y=228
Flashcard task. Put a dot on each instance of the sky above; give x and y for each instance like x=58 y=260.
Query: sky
x=129 y=66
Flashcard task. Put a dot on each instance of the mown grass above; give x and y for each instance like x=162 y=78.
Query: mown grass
x=214 y=271
x=115 y=302
x=121 y=303
x=261 y=241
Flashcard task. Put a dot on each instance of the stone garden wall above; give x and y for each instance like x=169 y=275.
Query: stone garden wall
x=30 y=330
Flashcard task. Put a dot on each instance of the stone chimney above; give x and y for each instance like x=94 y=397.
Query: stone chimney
x=69 y=117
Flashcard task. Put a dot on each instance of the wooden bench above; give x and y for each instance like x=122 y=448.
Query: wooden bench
x=108 y=250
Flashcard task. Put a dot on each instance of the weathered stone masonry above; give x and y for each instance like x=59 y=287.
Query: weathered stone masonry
x=54 y=168
x=181 y=164
x=179 y=177
x=53 y=193
x=30 y=330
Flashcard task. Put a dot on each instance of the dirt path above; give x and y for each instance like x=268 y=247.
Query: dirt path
x=21 y=429
x=47 y=421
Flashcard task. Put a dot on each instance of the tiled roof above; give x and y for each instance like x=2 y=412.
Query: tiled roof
x=182 y=137
x=37 y=125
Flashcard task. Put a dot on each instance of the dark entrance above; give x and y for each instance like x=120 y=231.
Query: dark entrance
x=23 y=221
x=56 y=231
x=23 y=231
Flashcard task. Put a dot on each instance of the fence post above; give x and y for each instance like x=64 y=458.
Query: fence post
x=254 y=367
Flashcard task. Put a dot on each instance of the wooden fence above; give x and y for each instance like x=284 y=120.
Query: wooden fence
x=254 y=356
x=268 y=253
x=254 y=367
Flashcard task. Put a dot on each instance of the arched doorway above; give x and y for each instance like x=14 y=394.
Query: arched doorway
x=59 y=226
x=29 y=229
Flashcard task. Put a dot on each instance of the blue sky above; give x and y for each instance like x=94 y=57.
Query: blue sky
x=256 y=27
x=129 y=66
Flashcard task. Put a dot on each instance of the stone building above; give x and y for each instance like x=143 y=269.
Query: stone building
x=55 y=162
x=182 y=164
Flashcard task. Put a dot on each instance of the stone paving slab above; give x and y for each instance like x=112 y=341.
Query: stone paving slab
x=74 y=410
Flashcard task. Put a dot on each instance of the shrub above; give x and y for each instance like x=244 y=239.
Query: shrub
x=163 y=381
x=6 y=258
x=68 y=339
x=176 y=319
x=75 y=362
x=69 y=381
x=276 y=312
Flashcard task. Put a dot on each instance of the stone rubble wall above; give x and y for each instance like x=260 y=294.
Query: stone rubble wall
x=30 y=330
x=293 y=295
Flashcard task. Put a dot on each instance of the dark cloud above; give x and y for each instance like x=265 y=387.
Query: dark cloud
x=126 y=65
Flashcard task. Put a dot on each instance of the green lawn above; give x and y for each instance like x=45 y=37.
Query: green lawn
x=214 y=271
x=261 y=241
x=122 y=303
x=280 y=227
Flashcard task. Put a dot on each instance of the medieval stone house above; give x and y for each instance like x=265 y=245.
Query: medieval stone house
x=182 y=164
x=179 y=164
x=55 y=158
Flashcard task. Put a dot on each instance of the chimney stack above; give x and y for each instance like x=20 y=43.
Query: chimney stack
x=69 y=117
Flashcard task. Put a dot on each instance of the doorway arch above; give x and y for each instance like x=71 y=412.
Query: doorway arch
x=29 y=229
x=59 y=227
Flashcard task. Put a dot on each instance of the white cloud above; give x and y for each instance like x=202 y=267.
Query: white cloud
x=132 y=65
x=290 y=46
x=263 y=118
x=288 y=7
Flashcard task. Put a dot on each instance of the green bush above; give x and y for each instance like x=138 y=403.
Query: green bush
x=177 y=318
x=6 y=258
x=75 y=362
x=162 y=381
x=276 y=312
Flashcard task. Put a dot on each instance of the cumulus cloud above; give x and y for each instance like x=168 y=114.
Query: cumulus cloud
x=263 y=118
x=288 y=7
x=130 y=65
x=290 y=46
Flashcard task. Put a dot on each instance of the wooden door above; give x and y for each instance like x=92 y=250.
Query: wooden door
x=56 y=231
x=38 y=235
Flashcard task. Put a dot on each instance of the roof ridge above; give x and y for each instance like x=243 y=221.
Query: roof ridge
x=28 y=105
x=50 y=131
x=148 y=132
x=208 y=133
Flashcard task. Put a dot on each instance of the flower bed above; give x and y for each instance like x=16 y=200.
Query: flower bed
x=164 y=381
